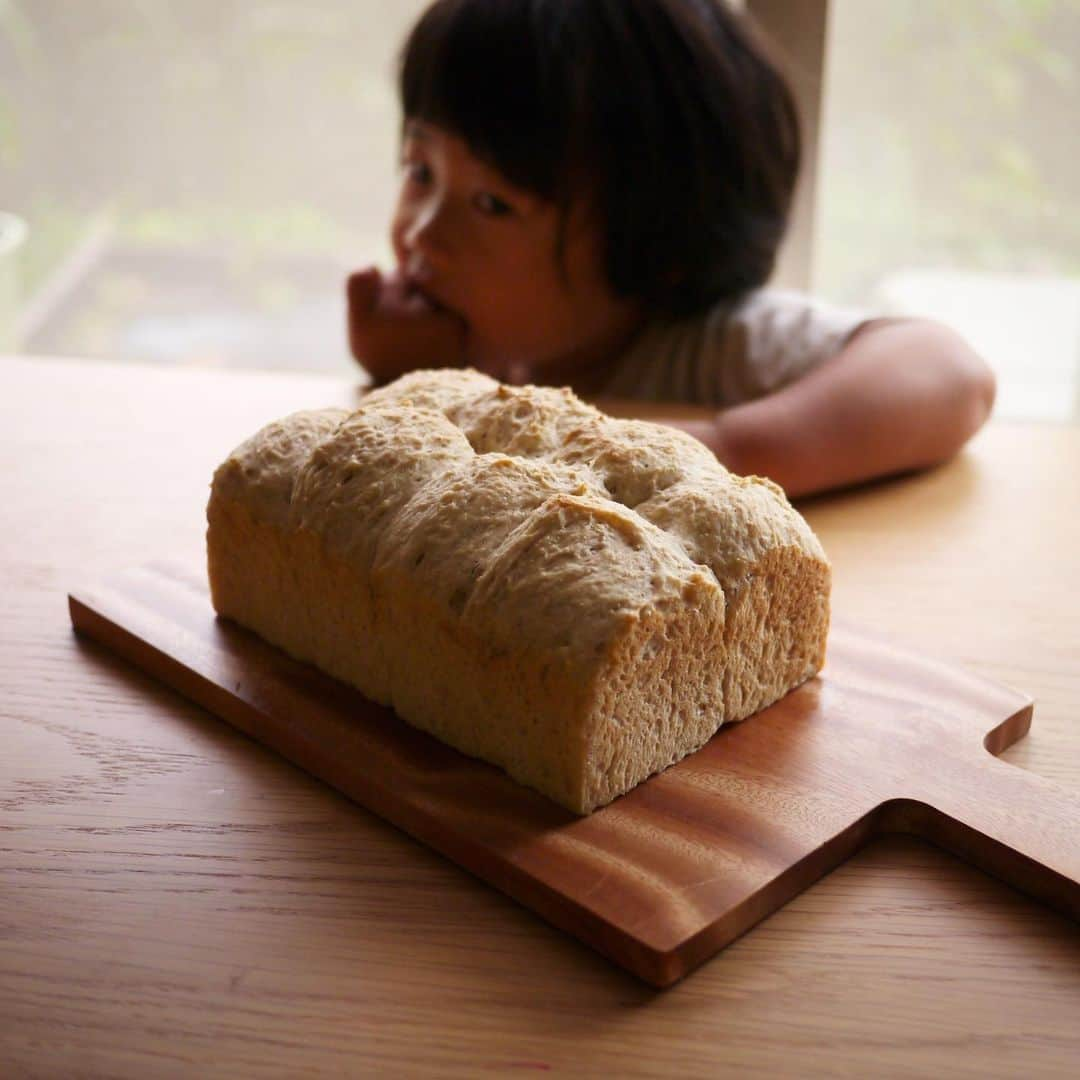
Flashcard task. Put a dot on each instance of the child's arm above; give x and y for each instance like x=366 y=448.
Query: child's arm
x=392 y=332
x=900 y=395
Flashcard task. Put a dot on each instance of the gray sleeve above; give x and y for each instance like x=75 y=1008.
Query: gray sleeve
x=733 y=354
x=772 y=338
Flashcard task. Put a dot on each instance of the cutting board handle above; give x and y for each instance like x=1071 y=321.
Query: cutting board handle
x=1012 y=823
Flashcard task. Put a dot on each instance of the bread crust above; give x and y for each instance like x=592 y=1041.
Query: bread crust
x=579 y=600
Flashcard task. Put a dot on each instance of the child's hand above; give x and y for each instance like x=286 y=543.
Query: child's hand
x=393 y=328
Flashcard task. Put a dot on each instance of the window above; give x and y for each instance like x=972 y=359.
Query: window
x=194 y=179
x=949 y=180
x=190 y=182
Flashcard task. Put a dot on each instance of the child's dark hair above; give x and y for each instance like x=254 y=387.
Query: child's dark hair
x=667 y=112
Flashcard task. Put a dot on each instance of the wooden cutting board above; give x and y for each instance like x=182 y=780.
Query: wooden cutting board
x=883 y=740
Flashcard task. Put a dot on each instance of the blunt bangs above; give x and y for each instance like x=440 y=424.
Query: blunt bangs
x=480 y=69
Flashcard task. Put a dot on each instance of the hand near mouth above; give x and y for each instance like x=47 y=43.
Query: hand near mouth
x=394 y=327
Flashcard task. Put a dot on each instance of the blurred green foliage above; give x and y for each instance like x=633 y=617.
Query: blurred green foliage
x=953 y=139
x=222 y=123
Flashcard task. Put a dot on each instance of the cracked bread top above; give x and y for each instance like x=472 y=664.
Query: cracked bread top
x=524 y=512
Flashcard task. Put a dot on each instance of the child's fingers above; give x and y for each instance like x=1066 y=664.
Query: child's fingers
x=393 y=327
x=362 y=294
x=433 y=339
x=362 y=289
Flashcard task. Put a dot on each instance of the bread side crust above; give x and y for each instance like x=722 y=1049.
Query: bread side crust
x=554 y=720
x=284 y=585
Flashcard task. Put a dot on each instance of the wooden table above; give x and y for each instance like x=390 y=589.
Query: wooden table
x=176 y=901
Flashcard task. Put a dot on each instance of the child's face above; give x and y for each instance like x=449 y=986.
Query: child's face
x=472 y=242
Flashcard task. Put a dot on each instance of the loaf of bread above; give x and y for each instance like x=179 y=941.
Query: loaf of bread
x=577 y=599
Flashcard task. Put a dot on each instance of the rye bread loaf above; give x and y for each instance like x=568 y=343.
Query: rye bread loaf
x=577 y=599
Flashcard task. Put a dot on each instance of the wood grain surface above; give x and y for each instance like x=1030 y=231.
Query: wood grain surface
x=662 y=878
x=177 y=901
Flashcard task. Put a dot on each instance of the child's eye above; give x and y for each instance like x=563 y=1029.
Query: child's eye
x=491 y=205
x=419 y=172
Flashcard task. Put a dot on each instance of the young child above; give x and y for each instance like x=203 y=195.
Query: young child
x=593 y=193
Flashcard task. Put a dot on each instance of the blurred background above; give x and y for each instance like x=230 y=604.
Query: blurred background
x=188 y=183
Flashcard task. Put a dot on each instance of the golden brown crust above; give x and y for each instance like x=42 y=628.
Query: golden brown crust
x=578 y=599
